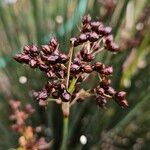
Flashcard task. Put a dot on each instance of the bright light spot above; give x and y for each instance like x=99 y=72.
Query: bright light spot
x=127 y=83
x=142 y=64
x=23 y=79
x=83 y=139
x=59 y=19
x=139 y=26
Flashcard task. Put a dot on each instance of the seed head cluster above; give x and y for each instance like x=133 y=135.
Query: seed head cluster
x=94 y=37
x=29 y=136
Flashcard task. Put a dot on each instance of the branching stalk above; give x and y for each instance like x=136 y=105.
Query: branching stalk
x=65 y=134
x=65 y=106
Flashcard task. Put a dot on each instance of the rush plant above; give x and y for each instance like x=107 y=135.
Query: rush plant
x=66 y=73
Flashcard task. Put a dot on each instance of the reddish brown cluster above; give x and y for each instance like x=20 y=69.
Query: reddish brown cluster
x=54 y=89
x=94 y=37
x=93 y=31
x=83 y=67
x=47 y=58
x=19 y=116
x=28 y=135
x=104 y=91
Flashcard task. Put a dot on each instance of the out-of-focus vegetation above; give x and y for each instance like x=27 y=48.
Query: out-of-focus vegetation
x=27 y=21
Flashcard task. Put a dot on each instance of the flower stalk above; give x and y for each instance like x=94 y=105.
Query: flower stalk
x=66 y=74
x=65 y=133
x=65 y=105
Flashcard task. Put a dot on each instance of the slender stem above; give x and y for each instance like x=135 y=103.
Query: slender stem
x=101 y=49
x=99 y=77
x=65 y=134
x=69 y=65
x=65 y=106
x=96 y=44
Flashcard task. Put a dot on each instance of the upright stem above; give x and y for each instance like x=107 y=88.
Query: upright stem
x=66 y=107
x=65 y=134
x=69 y=65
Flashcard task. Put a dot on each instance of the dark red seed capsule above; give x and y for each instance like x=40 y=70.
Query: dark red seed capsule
x=33 y=63
x=83 y=52
x=49 y=87
x=22 y=58
x=56 y=94
x=121 y=95
x=107 y=30
x=63 y=58
x=93 y=37
x=50 y=74
x=60 y=74
x=105 y=83
x=100 y=91
x=86 y=19
x=110 y=91
x=44 y=58
x=43 y=95
x=33 y=49
x=101 y=101
x=95 y=25
x=112 y=47
x=61 y=88
x=57 y=67
x=43 y=67
x=77 y=61
x=46 y=49
x=101 y=30
x=18 y=58
x=82 y=38
x=87 y=69
x=88 y=57
x=107 y=71
x=66 y=97
x=53 y=59
x=75 y=68
x=57 y=52
x=108 y=39
x=53 y=43
x=55 y=84
x=26 y=49
x=86 y=28
x=98 y=66
x=123 y=103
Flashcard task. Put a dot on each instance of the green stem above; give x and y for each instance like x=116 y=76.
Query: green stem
x=65 y=134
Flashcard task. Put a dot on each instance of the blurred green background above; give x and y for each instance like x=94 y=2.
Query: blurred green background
x=35 y=21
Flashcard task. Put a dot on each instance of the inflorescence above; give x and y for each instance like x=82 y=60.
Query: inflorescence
x=30 y=137
x=94 y=37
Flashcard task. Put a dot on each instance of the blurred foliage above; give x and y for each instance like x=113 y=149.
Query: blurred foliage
x=27 y=21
